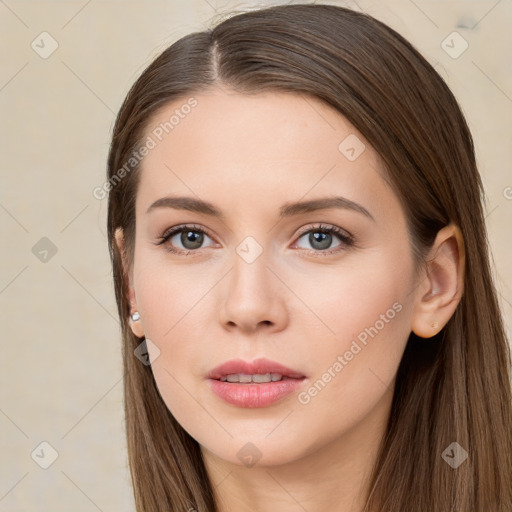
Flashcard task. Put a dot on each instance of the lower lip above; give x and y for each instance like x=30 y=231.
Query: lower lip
x=254 y=395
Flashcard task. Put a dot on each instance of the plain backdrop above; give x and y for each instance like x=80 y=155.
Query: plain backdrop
x=66 y=66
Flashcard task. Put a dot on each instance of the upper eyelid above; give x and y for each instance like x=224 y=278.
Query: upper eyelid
x=190 y=227
x=327 y=227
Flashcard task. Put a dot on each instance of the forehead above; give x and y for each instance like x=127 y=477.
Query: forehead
x=239 y=147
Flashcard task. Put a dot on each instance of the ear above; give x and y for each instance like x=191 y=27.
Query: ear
x=136 y=326
x=442 y=283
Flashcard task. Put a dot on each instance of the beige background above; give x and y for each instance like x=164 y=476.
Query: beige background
x=61 y=365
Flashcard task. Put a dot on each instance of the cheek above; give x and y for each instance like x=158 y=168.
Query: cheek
x=363 y=299
x=355 y=379
x=175 y=303
x=369 y=311
x=171 y=296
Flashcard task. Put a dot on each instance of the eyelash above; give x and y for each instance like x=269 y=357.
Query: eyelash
x=345 y=238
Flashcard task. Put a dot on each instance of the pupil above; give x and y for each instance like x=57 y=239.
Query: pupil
x=191 y=239
x=324 y=239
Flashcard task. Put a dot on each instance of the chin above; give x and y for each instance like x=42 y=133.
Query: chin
x=255 y=451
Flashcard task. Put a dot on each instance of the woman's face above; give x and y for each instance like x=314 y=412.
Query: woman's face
x=263 y=281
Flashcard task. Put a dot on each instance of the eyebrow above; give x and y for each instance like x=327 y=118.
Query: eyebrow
x=287 y=210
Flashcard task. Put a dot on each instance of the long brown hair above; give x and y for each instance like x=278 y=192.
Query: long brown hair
x=455 y=388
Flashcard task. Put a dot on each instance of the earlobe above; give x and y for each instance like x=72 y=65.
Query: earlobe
x=441 y=288
x=135 y=319
x=136 y=325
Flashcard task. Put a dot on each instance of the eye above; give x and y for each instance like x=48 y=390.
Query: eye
x=321 y=239
x=186 y=239
x=190 y=238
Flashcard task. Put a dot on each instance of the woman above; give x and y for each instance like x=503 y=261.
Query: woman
x=300 y=263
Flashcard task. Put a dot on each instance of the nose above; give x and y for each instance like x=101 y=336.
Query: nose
x=253 y=297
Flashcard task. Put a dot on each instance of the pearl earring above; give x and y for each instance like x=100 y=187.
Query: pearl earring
x=135 y=316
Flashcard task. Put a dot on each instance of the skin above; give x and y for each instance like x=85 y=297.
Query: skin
x=249 y=155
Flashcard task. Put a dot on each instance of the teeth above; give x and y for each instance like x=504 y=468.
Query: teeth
x=261 y=378
x=258 y=378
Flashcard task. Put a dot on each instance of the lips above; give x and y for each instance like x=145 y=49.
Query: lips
x=260 y=366
x=234 y=382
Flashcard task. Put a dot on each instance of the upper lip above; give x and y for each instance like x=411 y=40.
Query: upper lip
x=258 y=366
